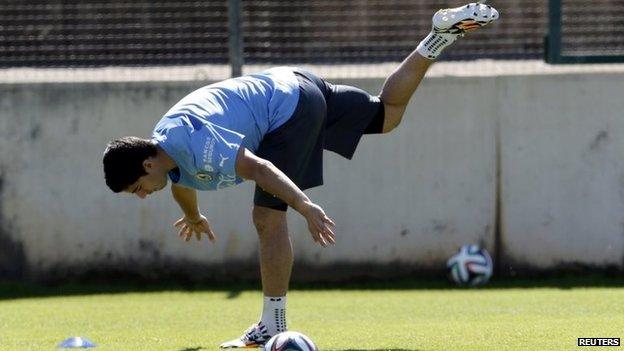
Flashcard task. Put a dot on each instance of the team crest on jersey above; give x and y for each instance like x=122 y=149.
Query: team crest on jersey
x=203 y=177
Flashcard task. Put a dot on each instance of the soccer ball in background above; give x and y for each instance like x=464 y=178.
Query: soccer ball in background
x=290 y=341
x=471 y=266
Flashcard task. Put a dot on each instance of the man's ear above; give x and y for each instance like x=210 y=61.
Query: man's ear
x=148 y=164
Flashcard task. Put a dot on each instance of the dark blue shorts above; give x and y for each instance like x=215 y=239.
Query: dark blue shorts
x=327 y=117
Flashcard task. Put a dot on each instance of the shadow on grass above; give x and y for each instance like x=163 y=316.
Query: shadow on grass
x=16 y=290
x=199 y=348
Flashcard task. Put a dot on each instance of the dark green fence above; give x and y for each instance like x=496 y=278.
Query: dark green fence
x=82 y=33
x=585 y=31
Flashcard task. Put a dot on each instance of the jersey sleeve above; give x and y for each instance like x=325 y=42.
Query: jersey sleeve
x=215 y=148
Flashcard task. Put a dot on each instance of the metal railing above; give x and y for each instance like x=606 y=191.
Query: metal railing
x=585 y=32
x=86 y=33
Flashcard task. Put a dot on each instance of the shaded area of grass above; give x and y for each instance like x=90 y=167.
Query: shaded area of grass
x=409 y=315
x=16 y=290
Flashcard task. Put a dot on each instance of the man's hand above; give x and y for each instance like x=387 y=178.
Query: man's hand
x=319 y=224
x=189 y=226
x=274 y=181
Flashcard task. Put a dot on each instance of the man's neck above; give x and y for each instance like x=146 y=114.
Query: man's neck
x=166 y=161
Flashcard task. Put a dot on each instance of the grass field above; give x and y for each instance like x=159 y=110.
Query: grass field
x=542 y=315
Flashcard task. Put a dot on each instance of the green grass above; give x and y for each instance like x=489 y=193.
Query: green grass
x=547 y=315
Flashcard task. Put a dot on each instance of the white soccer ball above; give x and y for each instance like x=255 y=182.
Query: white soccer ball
x=471 y=266
x=290 y=341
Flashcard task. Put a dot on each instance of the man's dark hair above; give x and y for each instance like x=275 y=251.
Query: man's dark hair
x=123 y=161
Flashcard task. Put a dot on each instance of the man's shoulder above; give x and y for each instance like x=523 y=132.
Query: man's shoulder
x=173 y=134
x=171 y=123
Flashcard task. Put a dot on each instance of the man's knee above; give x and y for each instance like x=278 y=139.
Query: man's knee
x=267 y=220
x=390 y=125
x=393 y=115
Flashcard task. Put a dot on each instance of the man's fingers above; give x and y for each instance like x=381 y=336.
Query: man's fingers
x=314 y=232
x=331 y=238
x=329 y=220
x=326 y=232
x=323 y=242
x=315 y=237
x=320 y=236
x=186 y=230
x=211 y=234
x=187 y=235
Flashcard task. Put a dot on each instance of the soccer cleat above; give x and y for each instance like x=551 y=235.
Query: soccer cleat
x=451 y=24
x=256 y=336
x=463 y=19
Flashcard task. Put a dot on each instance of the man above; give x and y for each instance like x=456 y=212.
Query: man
x=272 y=128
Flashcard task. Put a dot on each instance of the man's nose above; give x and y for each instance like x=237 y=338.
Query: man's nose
x=142 y=194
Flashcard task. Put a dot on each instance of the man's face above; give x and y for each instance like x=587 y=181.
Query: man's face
x=154 y=180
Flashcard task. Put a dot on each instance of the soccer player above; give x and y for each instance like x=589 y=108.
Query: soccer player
x=272 y=128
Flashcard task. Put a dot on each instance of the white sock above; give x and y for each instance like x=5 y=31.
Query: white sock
x=433 y=44
x=274 y=314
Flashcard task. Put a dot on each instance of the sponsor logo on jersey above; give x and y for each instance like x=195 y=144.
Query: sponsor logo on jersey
x=223 y=159
x=203 y=177
x=207 y=153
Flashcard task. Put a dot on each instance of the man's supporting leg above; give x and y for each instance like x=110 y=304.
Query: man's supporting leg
x=276 y=260
x=276 y=255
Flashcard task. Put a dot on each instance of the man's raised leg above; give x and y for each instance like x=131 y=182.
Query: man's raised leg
x=400 y=86
x=448 y=26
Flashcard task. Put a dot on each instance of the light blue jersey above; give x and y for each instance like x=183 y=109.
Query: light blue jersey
x=204 y=131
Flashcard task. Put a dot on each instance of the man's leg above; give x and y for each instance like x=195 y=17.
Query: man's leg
x=276 y=261
x=448 y=26
x=400 y=86
x=297 y=150
x=276 y=255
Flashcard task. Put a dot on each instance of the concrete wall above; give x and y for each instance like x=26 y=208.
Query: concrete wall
x=562 y=159
x=407 y=199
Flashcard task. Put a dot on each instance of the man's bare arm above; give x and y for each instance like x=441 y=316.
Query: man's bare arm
x=193 y=221
x=187 y=200
x=274 y=181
